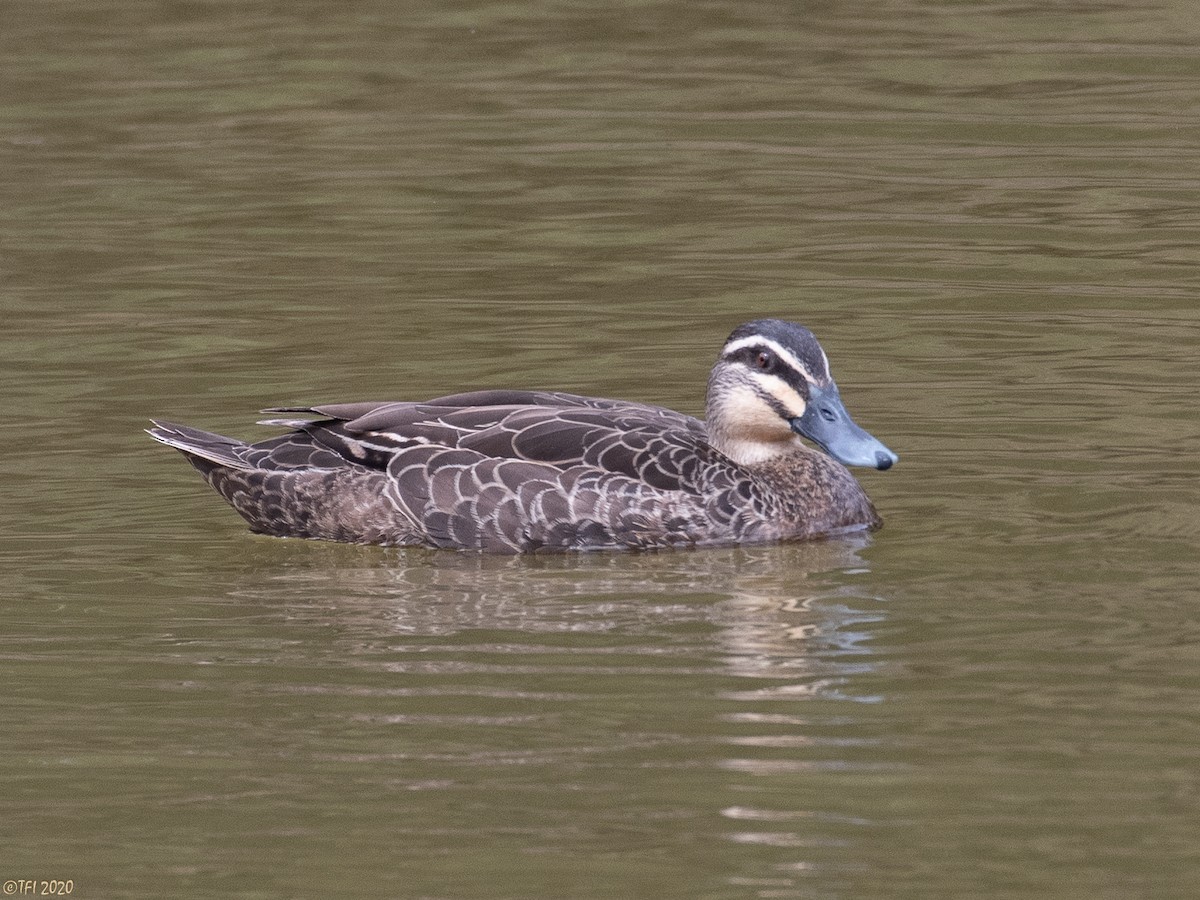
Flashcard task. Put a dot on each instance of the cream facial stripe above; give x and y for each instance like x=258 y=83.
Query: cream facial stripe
x=790 y=402
x=778 y=349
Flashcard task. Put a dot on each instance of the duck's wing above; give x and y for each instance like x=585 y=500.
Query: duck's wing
x=498 y=476
x=479 y=406
x=658 y=447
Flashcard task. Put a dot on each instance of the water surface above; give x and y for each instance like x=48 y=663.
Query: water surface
x=985 y=211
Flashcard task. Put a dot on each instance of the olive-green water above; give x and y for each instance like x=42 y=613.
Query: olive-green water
x=988 y=212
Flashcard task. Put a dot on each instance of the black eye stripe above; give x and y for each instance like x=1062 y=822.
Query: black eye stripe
x=794 y=349
x=776 y=365
x=763 y=359
x=749 y=356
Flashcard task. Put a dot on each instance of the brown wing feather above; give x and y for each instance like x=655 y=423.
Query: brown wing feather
x=481 y=406
x=647 y=443
x=517 y=470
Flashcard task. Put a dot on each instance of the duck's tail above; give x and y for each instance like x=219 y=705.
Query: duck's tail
x=200 y=445
x=339 y=503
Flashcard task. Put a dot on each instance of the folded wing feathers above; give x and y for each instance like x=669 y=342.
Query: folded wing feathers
x=496 y=470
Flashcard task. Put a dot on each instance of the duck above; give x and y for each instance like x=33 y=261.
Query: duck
x=522 y=471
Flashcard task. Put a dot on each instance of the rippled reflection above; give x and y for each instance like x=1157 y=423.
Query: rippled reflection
x=487 y=662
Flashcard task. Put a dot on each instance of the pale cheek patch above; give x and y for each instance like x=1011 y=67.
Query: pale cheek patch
x=787 y=395
x=754 y=419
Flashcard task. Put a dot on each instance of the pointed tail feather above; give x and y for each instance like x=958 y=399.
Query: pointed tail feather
x=203 y=444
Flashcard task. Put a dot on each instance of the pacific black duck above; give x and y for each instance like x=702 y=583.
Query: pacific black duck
x=518 y=471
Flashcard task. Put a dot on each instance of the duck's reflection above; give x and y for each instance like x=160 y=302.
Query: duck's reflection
x=753 y=659
x=770 y=609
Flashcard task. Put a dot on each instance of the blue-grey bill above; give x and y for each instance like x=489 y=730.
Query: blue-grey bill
x=827 y=423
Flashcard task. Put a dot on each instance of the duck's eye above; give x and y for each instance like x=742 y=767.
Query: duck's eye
x=763 y=360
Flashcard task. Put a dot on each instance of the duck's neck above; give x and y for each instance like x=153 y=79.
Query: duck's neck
x=749 y=451
x=745 y=429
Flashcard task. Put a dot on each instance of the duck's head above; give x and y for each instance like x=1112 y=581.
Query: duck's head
x=772 y=384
